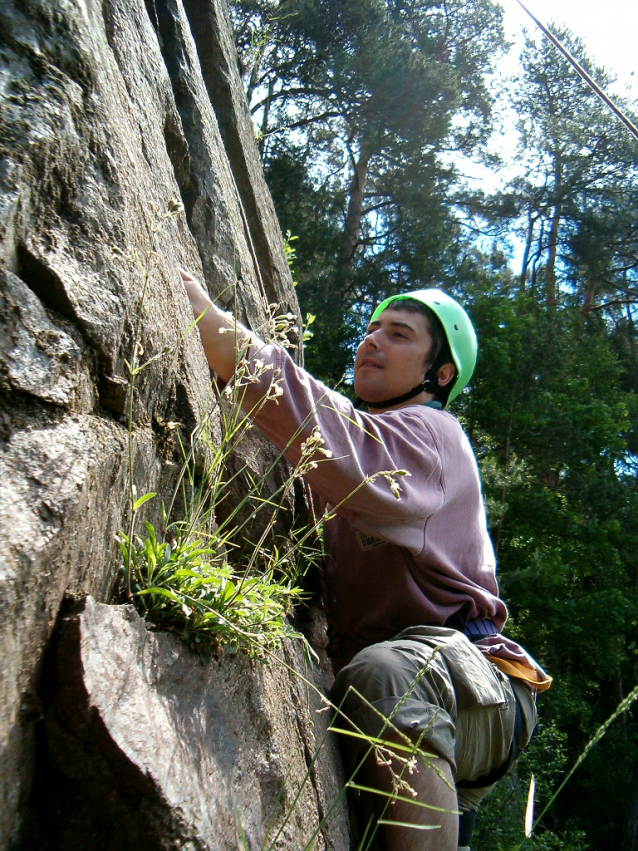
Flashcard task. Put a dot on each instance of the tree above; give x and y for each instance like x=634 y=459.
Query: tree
x=555 y=437
x=577 y=187
x=369 y=95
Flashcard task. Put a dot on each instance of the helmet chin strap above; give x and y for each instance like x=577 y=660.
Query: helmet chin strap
x=428 y=385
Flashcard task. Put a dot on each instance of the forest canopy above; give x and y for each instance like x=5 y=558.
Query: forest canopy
x=363 y=114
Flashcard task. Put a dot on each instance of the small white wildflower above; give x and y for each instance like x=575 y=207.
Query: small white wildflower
x=381 y=758
x=404 y=786
x=274 y=392
x=265 y=368
x=313 y=443
x=389 y=476
x=394 y=487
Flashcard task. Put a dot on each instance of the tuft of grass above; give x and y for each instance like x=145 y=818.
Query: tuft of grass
x=221 y=572
x=184 y=586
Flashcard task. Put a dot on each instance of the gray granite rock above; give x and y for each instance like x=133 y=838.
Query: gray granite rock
x=104 y=118
x=213 y=37
x=148 y=749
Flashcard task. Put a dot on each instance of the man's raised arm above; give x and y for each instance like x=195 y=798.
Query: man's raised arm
x=221 y=334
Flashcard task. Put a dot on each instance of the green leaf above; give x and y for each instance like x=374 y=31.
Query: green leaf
x=408 y=824
x=139 y=502
x=162 y=592
x=196 y=321
x=529 y=809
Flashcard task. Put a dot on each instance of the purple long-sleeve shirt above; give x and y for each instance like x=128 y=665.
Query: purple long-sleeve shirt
x=392 y=563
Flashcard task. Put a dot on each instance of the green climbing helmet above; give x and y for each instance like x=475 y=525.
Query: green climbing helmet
x=458 y=329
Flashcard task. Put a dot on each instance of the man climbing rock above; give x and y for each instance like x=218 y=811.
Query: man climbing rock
x=411 y=595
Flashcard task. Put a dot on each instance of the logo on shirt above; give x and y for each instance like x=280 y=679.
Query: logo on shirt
x=368 y=542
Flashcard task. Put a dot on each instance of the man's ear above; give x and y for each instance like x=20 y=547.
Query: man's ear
x=446 y=373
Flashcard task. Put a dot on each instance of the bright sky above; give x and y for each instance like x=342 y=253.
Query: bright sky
x=608 y=29
x=609 y=32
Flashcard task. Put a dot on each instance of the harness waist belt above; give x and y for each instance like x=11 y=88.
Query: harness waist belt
x=473 y=628
x=479 y=628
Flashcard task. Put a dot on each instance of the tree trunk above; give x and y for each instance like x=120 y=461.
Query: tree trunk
x=264 y=121
x=630 y=837
x=352 y=227
x=590 y=292
x=531 y=221
x=631 y=329
x=499 y=529
x=550 y=272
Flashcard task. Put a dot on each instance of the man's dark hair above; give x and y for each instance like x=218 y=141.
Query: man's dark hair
x=440 y=352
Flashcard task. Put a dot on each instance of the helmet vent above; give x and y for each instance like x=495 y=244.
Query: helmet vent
x=456 y=327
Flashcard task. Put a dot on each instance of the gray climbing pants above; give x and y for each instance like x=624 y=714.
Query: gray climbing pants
x=434 y=681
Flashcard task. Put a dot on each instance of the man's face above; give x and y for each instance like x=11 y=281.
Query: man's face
x=393 y=356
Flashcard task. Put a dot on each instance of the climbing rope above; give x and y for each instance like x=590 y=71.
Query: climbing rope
x=580 y=70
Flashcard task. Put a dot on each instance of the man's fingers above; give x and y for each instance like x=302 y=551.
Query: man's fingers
x=191 y=283
x=187 y=278
x=196 y=293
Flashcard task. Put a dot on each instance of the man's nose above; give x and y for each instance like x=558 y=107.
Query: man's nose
x=371 y=339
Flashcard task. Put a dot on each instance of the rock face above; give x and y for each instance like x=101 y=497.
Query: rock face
x=105 y=117
x=146 y=750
